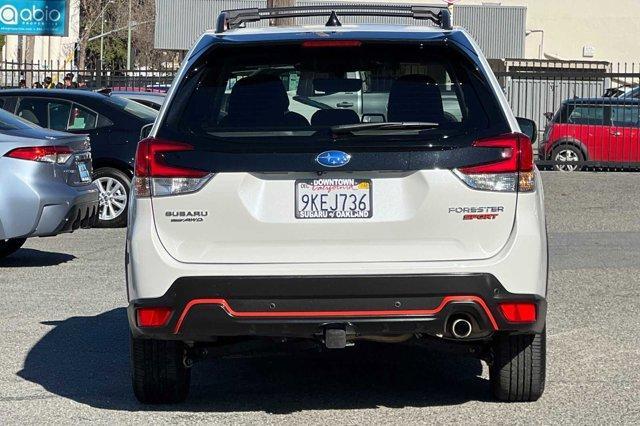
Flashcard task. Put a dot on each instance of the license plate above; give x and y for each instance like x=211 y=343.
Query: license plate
x=334 y=199
x=85 y=176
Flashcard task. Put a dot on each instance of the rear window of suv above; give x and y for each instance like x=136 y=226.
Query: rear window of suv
x=250 y=95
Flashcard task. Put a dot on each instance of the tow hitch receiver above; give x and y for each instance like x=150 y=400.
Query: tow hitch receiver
x=335 y=338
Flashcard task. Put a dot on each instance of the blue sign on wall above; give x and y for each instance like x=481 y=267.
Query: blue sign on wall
x=34 y=17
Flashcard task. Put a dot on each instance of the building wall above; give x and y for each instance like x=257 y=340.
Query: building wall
x=498 y=30
x=179 y=23
x=610 y=27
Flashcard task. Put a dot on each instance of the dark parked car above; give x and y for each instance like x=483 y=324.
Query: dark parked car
x=632 y=94
x=151 y=99
x=600 y=130
x=113 y=124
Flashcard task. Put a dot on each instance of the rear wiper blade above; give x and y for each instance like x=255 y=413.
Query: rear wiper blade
x=391 y=125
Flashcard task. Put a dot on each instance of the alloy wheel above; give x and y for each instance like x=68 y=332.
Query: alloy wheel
x=567 y=156
x=113 y=197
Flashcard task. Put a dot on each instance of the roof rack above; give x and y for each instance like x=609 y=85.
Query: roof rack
x=235 y=18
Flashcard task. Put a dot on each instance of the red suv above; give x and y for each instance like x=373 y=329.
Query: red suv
x=598 y=132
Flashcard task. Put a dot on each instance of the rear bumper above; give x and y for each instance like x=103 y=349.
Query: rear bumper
x=304 y=306
x=79 y=211
x=37 y=201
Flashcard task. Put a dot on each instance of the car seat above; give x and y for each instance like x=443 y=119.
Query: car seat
x=260 y=101
x=28 y=115
x=414 y=98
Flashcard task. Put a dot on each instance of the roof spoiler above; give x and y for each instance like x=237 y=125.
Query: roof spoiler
x=235 y=18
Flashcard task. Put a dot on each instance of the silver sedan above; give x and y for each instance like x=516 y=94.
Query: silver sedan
x=45 y=183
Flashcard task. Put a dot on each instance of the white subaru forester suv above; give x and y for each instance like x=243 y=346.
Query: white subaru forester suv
x=337 y=183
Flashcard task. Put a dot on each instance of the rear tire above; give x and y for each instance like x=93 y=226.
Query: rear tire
x=565 y=155
x=8 y=247
x=518 y=370
x=115 y=187
x=158 y=372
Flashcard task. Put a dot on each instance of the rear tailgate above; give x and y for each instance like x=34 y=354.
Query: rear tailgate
x=409 y=200
x=416 y=216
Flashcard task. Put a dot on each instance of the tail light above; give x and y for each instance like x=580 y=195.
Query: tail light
x=154 y=177
x=520 y=312
x=513 y=172
x=43 y=154
x=153 y=317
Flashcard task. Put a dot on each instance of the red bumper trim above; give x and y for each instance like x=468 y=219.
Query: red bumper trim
x=335 y=314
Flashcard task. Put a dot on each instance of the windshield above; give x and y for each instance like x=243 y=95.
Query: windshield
x=277 y=93
x=632 y=94
x=135 y=108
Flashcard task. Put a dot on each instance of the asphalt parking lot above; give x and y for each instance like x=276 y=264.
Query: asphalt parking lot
x=64 y=351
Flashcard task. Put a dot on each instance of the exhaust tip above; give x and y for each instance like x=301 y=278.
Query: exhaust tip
x=461 y=328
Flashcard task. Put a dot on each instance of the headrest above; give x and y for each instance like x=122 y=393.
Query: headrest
x=334 y=117
x=256 y=100
x=415 y=98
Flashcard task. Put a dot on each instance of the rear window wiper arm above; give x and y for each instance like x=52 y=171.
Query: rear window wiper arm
x=391 y=125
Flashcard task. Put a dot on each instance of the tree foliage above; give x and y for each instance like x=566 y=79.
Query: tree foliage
x=116 y=16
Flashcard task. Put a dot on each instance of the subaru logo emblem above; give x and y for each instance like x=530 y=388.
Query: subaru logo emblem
x=333 y=158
